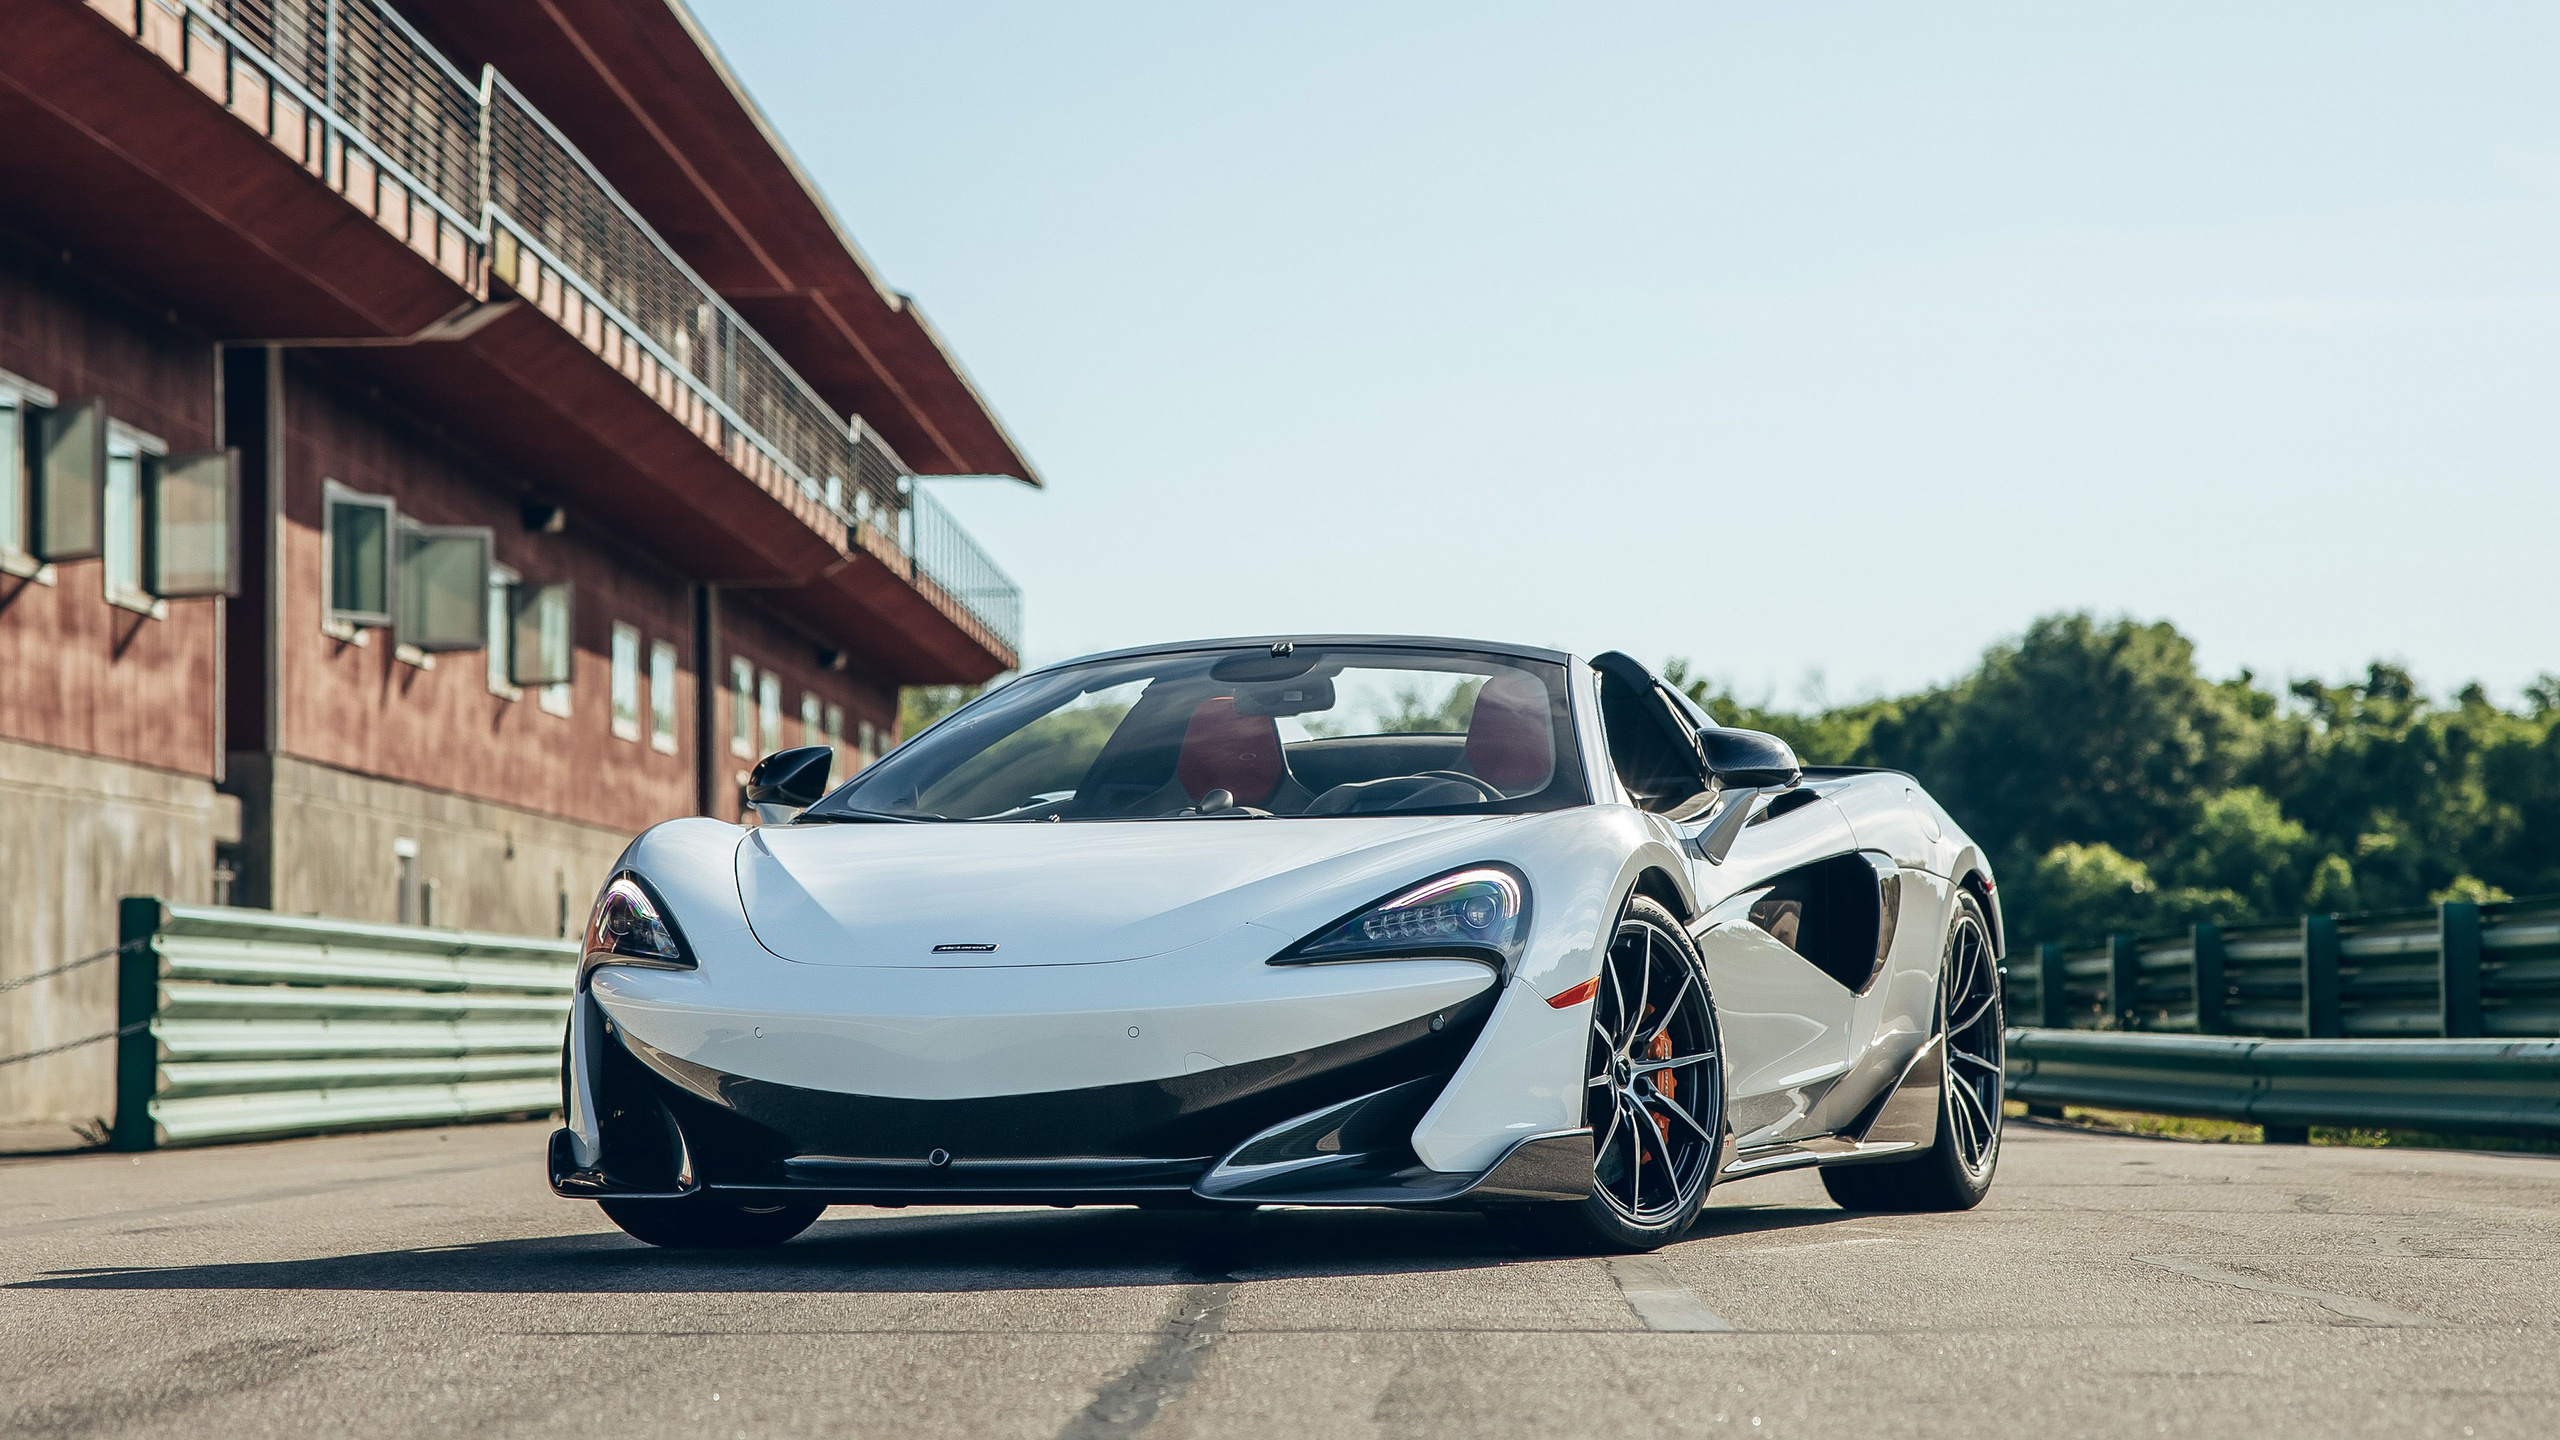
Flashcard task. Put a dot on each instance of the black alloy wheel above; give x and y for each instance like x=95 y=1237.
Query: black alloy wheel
x=1653 y=1092
x=1955 y=1172
x=1977 y=1044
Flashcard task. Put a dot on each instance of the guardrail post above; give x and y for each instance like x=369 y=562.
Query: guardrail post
x=2124 y=981
x=2210 y=985
x=138 y=919
x=2458 y=969
x=2053 y=994
x=2321 y=1017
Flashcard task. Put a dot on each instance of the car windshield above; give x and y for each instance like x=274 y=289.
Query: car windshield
x=1315 y=730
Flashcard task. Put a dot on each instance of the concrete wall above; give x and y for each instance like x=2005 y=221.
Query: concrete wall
x=336 y=838
x=78 y=833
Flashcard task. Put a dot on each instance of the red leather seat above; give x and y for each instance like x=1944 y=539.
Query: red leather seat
x=1222 y=750
x=1510 y=739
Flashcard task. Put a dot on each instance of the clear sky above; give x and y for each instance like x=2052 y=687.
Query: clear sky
x=1793 y=338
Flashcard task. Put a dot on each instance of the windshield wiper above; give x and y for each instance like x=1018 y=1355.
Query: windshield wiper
x=849 y=816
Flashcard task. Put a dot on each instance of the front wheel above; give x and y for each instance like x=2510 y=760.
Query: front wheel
x=701 y=1221
x=1954 y=1173
x=1653 y=1094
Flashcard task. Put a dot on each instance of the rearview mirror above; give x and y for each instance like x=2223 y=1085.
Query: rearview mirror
x=1748 y=759
x=789 y=780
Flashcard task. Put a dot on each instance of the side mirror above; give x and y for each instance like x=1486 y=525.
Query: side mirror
x=1748 y=759
x=1741 y=763
x=789 y=781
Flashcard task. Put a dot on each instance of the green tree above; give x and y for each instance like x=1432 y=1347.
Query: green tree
x=921 y=705
x=2118 y=788
x=2082 y=731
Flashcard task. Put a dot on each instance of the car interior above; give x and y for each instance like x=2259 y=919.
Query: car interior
x=1351 y=732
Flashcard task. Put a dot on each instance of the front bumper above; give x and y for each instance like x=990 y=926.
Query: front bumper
x=1330 y=1124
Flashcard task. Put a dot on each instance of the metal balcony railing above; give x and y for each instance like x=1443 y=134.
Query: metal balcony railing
x=533 y=211
x=365 y=65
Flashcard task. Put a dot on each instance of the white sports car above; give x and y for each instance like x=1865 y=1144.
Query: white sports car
x=1336 y=920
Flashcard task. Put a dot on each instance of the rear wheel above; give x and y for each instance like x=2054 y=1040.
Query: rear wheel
x=1954 y=1173
x=1653 y=1094
x=703 y=1222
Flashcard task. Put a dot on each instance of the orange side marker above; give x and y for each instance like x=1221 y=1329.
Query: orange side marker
x=1576 y=995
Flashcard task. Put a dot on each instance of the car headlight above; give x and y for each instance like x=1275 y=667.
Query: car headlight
x=1479 y=913
x=627 y=928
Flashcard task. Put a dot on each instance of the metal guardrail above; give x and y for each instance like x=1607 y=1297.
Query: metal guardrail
x=479 y=182
x=2457 y=970
x=2447 y=1086
x=244 y=1024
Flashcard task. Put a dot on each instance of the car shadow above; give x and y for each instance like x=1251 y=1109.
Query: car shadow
x=886 y=1252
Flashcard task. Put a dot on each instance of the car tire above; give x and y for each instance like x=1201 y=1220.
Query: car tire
x=1955 y=1172
x=702 y=1222
x=1682 y=1103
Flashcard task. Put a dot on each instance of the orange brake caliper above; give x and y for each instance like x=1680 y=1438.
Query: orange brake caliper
x=1665 y=1084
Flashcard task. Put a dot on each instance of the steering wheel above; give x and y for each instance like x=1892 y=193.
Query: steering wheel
x=1398 y=792
x=1482 y=789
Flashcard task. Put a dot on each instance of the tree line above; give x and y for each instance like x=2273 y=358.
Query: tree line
x=2117 y=788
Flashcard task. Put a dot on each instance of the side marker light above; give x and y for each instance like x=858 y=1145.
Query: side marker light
x=1576 y=995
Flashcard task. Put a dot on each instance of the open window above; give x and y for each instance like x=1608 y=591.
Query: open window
x=443 y=587
x=23 y=409
x=1838 y=914
x=71 y=484
x=191 y=526
x=1651 y=741
x=133 y=472
x=356 y=540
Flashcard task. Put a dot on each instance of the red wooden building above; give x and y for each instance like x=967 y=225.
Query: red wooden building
x=435 y=443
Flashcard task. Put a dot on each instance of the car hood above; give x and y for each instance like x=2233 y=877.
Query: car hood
x=1071 y=893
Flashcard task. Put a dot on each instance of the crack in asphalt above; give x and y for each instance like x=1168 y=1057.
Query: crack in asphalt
x=1130 y=1403
x=2353 y=1307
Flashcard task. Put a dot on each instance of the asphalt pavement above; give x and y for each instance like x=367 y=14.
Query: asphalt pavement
x=426 y=1283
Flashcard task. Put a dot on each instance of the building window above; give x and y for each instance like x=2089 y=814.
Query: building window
x=742 y=707
x=191 y=526
x=867 y=749
x=626 y=682
x=356 y=550
x=131 y=458
x=442 y=592
x=541 y=640
x=67 y=470
x=662 y=697
x=769 y=711
x=502 y=652
x=835 y=740
x=21 y=410
x=813 y=720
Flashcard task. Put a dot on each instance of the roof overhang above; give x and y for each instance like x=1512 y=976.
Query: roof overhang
x=639 y=87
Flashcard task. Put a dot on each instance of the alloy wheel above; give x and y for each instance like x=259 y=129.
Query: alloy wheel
x=1976 y=1044
x=1655 y=1079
